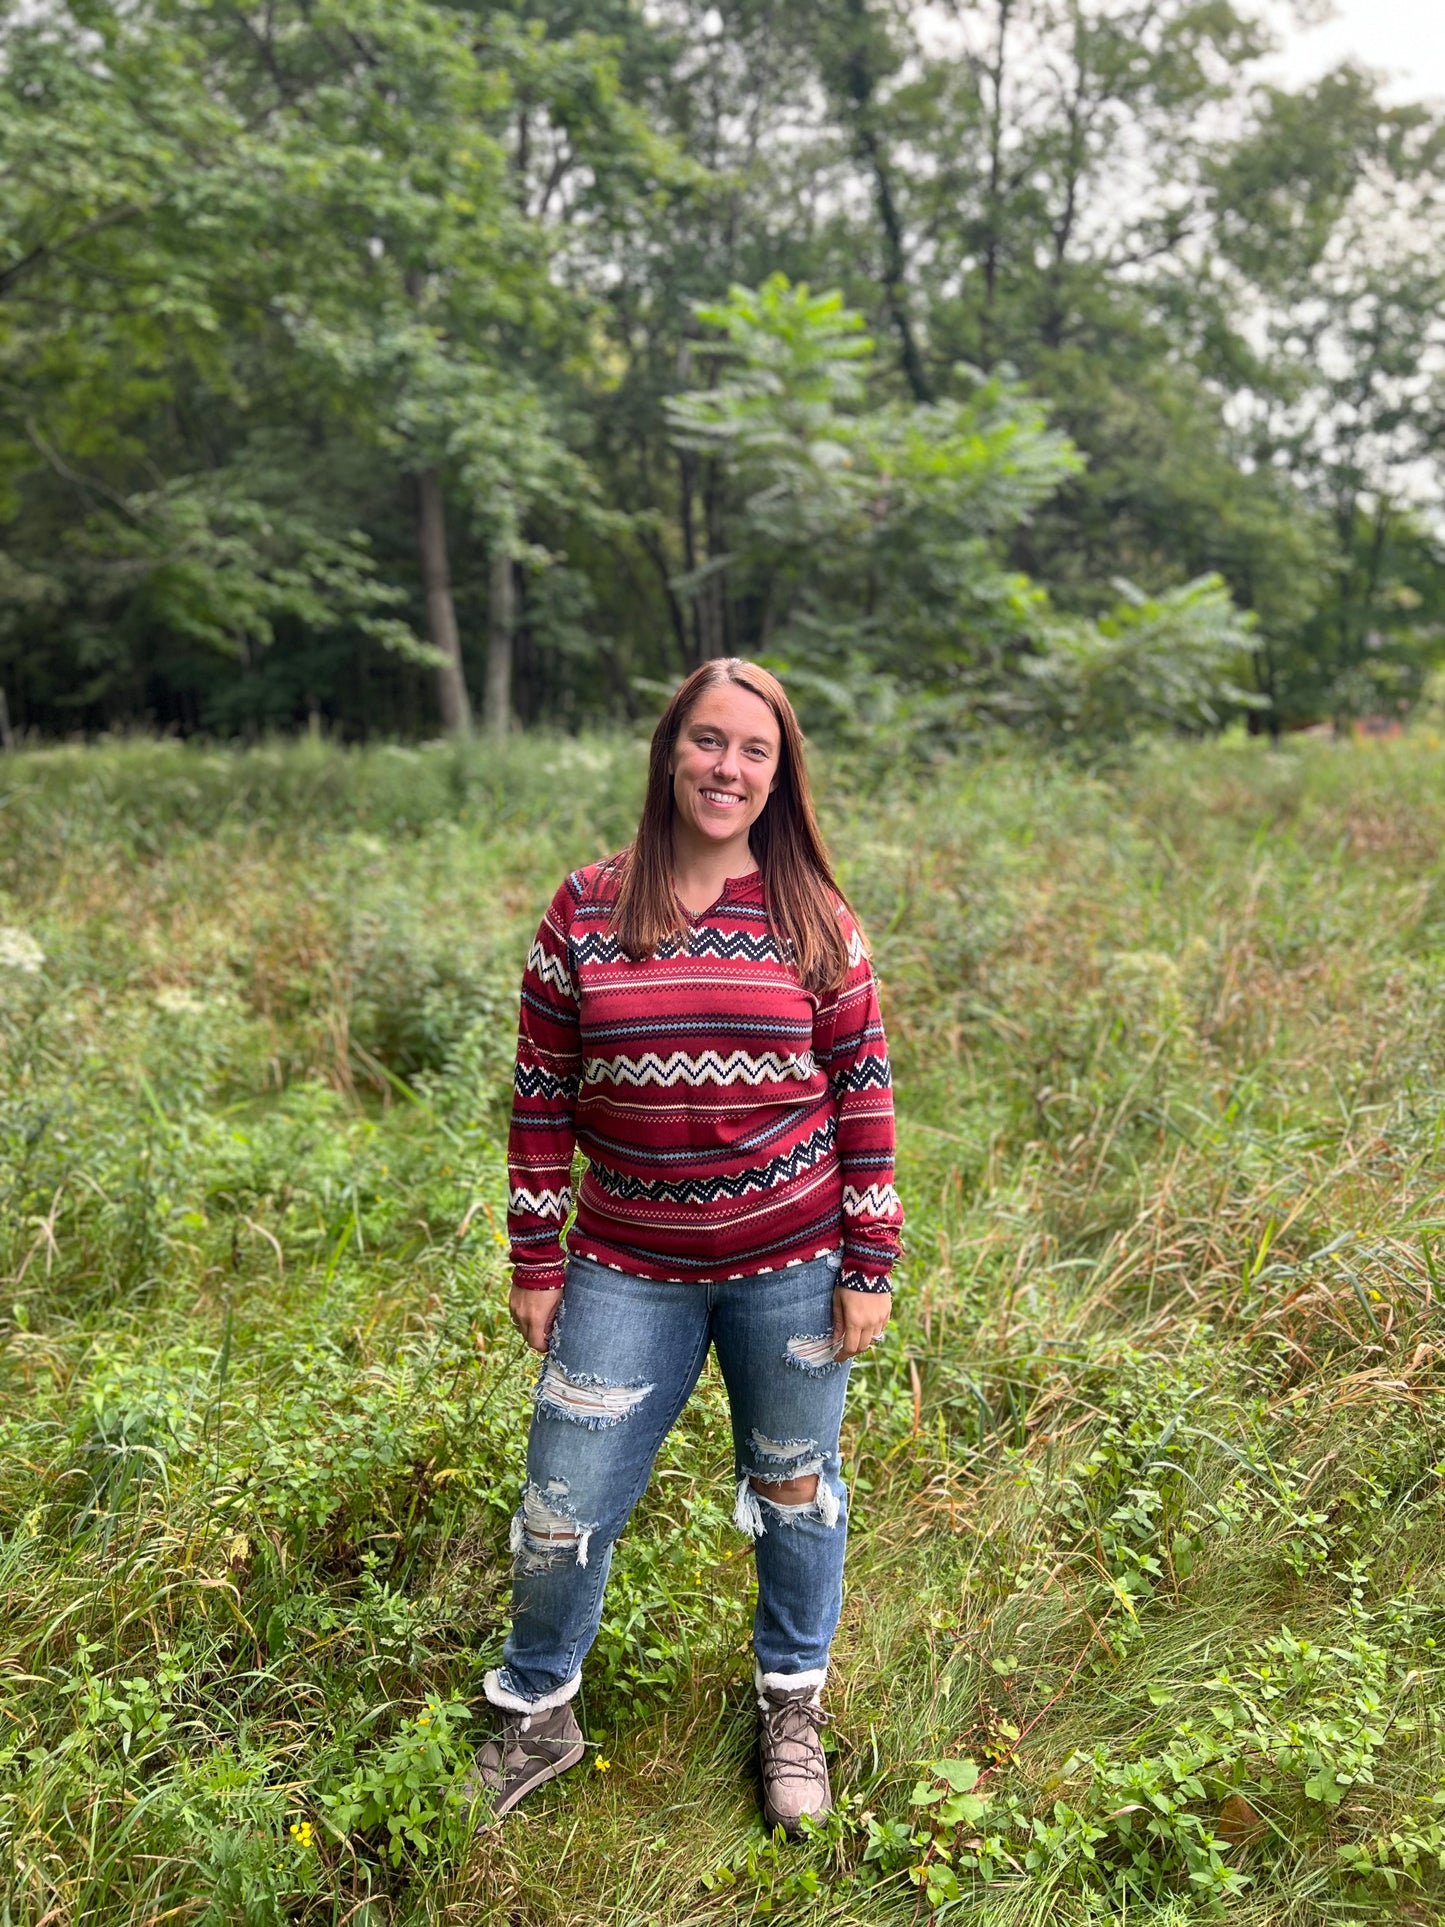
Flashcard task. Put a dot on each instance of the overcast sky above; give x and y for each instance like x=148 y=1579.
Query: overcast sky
x=1403 y=38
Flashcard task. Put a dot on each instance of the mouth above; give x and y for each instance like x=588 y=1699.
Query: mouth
x=721 y=799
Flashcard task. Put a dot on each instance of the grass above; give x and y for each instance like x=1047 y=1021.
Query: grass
x=1149 y=1476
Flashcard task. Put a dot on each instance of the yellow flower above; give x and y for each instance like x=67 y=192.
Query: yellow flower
x=602 y=1766
x=300 y=1831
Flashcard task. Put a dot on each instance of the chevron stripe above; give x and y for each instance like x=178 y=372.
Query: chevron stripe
x=710 y=1067
x=878 y=1201
x=542 y=1204
x=760 y=1177
x=533 y=1081
x=703 y=941
x=873 y=1071
x=551 y=970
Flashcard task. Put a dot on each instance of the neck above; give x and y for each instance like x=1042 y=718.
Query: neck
x=701 y=867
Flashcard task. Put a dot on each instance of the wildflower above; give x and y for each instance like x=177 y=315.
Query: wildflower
x=178 y=1000
x=19 y=951
x=300 y=1832
x=602 y=1766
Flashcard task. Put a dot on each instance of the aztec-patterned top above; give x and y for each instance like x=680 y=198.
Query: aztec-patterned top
x=733 y=1122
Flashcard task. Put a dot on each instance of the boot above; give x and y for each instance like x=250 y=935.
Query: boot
x=533 y=1748
x=790 y=1753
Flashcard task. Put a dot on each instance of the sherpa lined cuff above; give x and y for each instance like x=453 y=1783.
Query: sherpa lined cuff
x=512 y=1703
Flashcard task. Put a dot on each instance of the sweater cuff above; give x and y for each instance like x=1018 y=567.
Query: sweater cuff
x=539 y=1277
x=866 y=1281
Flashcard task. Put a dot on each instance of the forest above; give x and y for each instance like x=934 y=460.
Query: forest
x=397 y=368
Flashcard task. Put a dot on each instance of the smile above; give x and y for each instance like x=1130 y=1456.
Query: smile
x=723 y=799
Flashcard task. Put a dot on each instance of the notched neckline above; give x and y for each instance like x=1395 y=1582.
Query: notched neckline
x=734 y=889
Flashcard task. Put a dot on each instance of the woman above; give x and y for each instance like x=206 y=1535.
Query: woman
x=699 y=1016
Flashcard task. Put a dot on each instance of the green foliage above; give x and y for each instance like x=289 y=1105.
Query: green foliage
x=409 y=1791
x=1112 y=306
x=900 y=512
x=1145 y=1596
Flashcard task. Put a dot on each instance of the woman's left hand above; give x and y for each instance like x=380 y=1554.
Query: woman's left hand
x=858 y=1318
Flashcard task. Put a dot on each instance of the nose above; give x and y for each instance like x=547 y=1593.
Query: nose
x=726 y=767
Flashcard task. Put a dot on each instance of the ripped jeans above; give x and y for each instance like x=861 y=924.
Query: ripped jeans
x=624 y=1357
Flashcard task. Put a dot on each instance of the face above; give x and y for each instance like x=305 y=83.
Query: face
x=725 y=764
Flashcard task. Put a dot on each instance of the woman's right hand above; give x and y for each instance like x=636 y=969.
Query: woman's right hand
x=534 y=1313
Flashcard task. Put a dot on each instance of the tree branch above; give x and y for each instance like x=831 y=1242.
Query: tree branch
x=17 y=270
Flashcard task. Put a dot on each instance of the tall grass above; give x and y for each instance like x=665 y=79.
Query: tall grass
x=1148 y=1478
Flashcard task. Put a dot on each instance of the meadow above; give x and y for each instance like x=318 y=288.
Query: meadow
x=1147 y=1578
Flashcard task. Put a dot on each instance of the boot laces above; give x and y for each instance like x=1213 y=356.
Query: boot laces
x=792 y=1727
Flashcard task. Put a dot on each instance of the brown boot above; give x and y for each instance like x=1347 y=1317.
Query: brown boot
x=533 y=1748
x=790 y=1752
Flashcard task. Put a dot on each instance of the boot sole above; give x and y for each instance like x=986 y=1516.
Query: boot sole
x=517 y=1794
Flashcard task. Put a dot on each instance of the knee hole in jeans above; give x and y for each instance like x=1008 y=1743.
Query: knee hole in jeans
x=786 y=1491
x=546 y=1532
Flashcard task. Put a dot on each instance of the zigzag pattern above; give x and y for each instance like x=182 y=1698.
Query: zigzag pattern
x=873 y=1072
x=762 y=1177
x=543 y=1204
x=533 y=1081
x=878 y=1201
x=856 y=952
x=551 y=970
x=710 y=1067
x=729 y=945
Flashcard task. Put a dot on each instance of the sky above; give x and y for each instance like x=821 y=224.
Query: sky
x=1403 y=38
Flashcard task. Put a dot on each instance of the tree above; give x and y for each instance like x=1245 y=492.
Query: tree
x=315 y=218
x=870 y=537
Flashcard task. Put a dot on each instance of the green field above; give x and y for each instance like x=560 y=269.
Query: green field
x=1148 y=1492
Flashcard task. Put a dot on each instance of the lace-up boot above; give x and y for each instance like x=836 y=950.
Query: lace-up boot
x=790 y=1752
x=533 y=1748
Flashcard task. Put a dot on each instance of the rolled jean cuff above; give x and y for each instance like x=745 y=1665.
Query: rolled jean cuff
x=510 y=1702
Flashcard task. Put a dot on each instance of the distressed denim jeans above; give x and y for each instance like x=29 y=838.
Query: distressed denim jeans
x=624 y=1357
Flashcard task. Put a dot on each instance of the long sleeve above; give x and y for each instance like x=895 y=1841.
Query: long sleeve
x=544 y=1099
x=853 y=1051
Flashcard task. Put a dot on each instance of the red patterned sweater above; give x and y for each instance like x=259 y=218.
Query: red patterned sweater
x=733 y=1122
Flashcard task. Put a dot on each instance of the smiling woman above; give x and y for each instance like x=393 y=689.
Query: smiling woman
x=724 y=769
x=700 y=1018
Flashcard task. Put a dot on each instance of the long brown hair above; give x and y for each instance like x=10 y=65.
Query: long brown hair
x=802 y=892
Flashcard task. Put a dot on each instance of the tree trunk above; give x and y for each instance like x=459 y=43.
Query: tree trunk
x=501 y=625
x=993 y=226
x=860 y=81
x=441 y=614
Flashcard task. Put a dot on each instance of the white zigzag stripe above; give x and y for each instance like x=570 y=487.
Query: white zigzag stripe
x=541 y=1204
x=878 y=1201
x=856 y=952
x=710 y=1067
x=551 y=970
